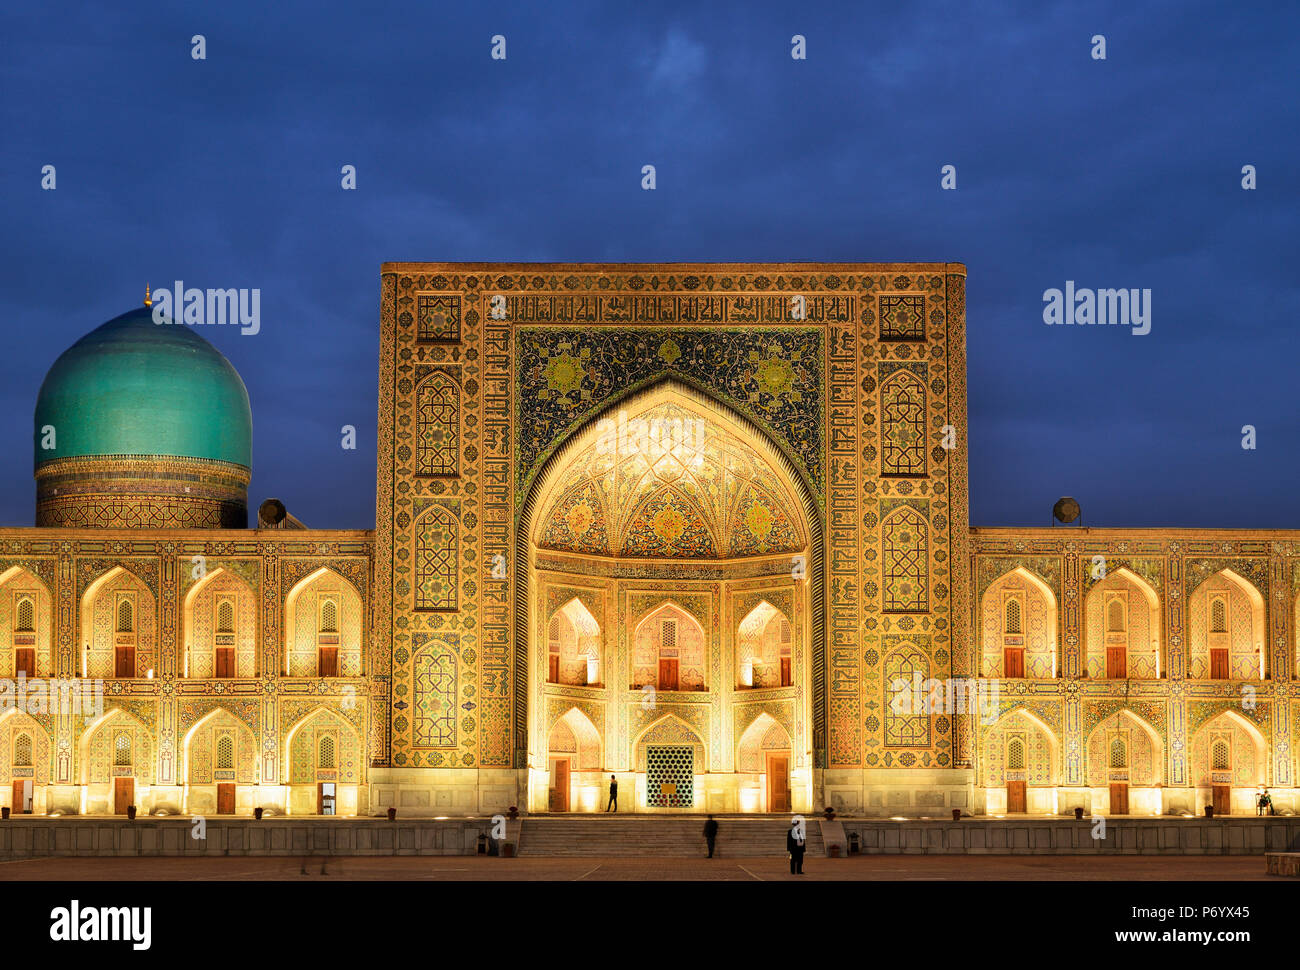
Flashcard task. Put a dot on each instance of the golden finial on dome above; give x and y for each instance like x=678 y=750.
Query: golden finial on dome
x=147 y=300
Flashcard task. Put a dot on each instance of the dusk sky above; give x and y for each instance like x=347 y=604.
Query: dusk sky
x=1123 y=172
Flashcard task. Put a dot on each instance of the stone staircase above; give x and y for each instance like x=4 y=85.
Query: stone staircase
x=739 y=837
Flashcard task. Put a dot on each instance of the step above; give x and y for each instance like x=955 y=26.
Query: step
x=658 y=836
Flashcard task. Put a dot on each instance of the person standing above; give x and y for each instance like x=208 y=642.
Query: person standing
x=711 y=834
x=613 y=794
x=1262 y=803
x=794 y=843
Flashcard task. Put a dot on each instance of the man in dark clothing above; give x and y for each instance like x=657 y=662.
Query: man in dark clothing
x=711 y=834
x=794 y=843
x=613 y=794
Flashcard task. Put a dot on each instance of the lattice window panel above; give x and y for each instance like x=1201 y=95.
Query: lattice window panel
x=904 y=545
x=670 y=634
x=670 y=765
x=1013 y=616
x=434 y=713
x=436 y=547
x=1115 y=615
x=26 y=616
x=1016 y=754
x=1220 y=755
x=225 y=752
x=125 y=616
x=122 y=750
x=329 y=617
x=437 y=433
x=902 y=426
x=23 y=750
x=327 y=751
x=1219 y=616
x=226 y=617
x=1118 y=753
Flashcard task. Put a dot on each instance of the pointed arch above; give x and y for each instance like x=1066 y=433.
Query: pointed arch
x=306 y=646
x=95 y=758
x=1127 y=625
x=543 y=488
x=14 y=725
x=1040 y=764
x=1034 y=648
x=26 y=624
x=589 y=747
x=104 y=647
x=764 y=733
x=1144 y=748
x=201 y=631
x=574 y=645
x=764 y=644
x=300 y=762
x=1249 y=749
x=244 y=732
x=1241 y=651
x=669 y=634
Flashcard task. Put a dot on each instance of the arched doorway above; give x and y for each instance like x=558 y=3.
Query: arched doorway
x=646 y=544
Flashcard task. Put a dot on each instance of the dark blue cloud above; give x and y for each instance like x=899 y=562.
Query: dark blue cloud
x=1125 y=172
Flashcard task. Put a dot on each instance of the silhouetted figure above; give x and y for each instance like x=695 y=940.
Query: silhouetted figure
x=711 y=834
x=1261 y=804
x=613 y=794
x=794 y=843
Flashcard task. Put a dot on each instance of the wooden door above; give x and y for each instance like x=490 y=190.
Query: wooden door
x=19 y=804
x=123 y=794
x=225 y=666
x=1218 y=663
x=1017 y=796
x=225 y=799
x=553 y=669
x=329 y=661
x=25 y=661
x=1118 y=798
x=1014 y=661
x=560 y=785
x=785 y=672
x=667 y=674
x=326 y=798
x=778 y=782
x=1117 y=663
x=124 y=663
x=1222 y=795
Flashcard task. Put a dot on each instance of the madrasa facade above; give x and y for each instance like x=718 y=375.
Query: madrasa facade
x=700 y=527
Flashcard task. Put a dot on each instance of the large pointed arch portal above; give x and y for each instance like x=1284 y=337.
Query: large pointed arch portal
x=666 y=482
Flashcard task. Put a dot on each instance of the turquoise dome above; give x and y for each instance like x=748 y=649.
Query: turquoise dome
x=135 y=387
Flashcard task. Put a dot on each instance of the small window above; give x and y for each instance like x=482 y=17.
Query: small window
x=1220 y=755
x=225 y=752
x=1016 y=754
x=1115 y=616
x=122 y=750
x=669 y=633
x=125 y=617
x=329 y=617
x=1118 y=753
x=555 y=633
x=327 y=751
x=1012 y=624
x=26 y=616
x=1219 y=615
x=226 y=617
x=785 y=630
x=23 y=750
